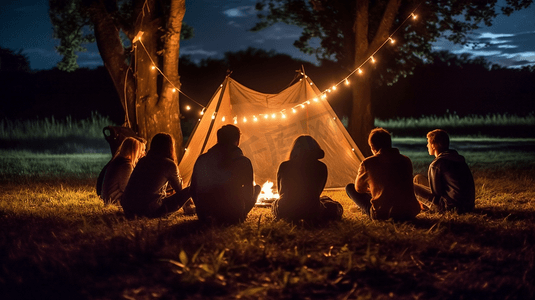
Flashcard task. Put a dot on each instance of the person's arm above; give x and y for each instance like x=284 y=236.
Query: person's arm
x=174 y=179
x=361 y=183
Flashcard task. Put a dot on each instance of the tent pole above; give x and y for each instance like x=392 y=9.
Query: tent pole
x=216 y=111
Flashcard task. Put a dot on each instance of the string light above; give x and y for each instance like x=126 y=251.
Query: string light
x=283 y=115
x=223 y=119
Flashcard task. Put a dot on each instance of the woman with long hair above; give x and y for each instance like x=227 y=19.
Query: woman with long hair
x=147 y=192
x=300 y=182
x=119 y=169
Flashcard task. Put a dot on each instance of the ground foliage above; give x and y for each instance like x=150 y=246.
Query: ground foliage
x=59 y=241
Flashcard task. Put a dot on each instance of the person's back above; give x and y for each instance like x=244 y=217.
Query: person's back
x=450 y=184
x=390 y=185
x=383 y=188
x=451 y=178
x=222 y=182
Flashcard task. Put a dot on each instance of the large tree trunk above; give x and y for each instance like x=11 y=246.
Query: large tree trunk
x=361 y=121
x=112 y=52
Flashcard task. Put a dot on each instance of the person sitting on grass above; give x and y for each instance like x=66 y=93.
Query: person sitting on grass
x=383 y=188
x=300 y=182
x=222 y=185
x=117 y=172
x=146 y=193
x=449 y=185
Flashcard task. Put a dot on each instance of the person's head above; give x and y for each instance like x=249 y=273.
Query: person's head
x=438 y=141
x=378 y=139
x=228 y=135
x=306 y=147
x=131 y=149
x=163 y=145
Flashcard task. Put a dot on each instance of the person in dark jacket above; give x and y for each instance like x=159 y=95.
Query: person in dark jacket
x=300 y=182
x=147 y=193
x=383 y=188
x=222 y=185
x=449 y=185
x=119 y=169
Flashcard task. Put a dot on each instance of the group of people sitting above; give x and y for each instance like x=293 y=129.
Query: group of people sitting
x=223 y=191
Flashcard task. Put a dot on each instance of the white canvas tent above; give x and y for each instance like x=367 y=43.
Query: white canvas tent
x=269 y=124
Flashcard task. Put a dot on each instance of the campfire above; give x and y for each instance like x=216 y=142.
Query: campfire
x=266 y=196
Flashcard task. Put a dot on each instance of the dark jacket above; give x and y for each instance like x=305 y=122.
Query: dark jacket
x=222 y=184
x=148 y=184
x=451 y=182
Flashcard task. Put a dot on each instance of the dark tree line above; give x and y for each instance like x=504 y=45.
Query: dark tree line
x=448 y=84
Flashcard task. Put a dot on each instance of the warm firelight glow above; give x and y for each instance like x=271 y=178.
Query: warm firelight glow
x=266 y=193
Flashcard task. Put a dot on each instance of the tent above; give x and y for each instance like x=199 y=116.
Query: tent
x=269 y=124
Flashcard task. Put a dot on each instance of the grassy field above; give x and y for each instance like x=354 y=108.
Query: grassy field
x=58 y=240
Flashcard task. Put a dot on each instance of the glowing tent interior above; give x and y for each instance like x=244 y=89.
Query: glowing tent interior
x=269 y=124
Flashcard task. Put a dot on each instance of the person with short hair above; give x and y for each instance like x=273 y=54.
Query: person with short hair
x=222 y=185
x=147 y=193
x=300 y=182
x=383 y=188
x=119 y=169
x=449 y=185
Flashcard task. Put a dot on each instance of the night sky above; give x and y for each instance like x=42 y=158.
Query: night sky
x=222 y=26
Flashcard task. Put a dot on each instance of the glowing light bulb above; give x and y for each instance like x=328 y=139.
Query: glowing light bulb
x=414 y=16
x=185 y=149
x=213 y=116
x=235 y=121
x=153 y=67
x=391 y=40
x=244 y=119
x=308 y=102
x=360 y=71
x=223 y=119
x=293 y=110
x=273 y=116
x=188 y=107
x=311 y=83
x=316 y=99
x=373 y=59
x=265 y=116
x=323 y=96
x=202 y=112
x=334 y=88
x=255 y=119
x=283 y=116
x=347 y=82
x=302 y=106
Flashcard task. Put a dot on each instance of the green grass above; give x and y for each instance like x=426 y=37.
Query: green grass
x=58 y=241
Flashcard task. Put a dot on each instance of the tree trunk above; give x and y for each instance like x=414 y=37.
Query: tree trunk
x=362 y=118
x=159 y=112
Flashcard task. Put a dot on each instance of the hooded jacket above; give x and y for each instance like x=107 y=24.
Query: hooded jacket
x=451 y=181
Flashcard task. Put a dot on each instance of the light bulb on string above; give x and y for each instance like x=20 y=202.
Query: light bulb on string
x=347 y=82
x=414 y=16
x=373 y=59
x=316 y=99
x=244 y=119
x=293 y=110
x=153 y=67
x=323 y=96
x=213 y=116
x=235 y=120
x=360 y=71
x=202 y=112
x=273 y=116
x=308 y=102
x=255 y=119
x=391 y=40
x=188 y=107
x=265 y=116
x=174 y=90
x=283 y=115
x=334 y=88
x=302 y=105
x=223 y=119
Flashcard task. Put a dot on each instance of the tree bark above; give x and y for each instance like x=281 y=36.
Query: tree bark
x=112 y=52
x=362 y=118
